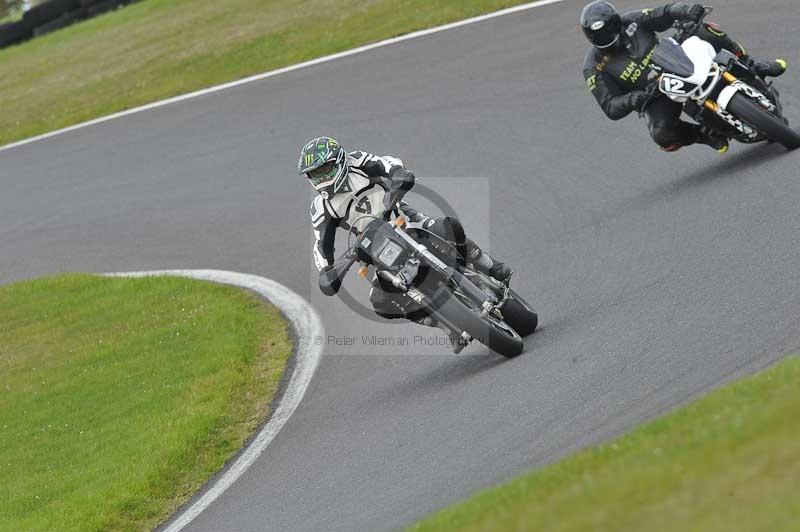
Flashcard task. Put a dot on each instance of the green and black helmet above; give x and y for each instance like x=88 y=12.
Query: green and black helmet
x=325 y=164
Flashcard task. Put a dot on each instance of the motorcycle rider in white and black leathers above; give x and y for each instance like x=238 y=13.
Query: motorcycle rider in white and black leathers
x=352 y=189
x=616 y=68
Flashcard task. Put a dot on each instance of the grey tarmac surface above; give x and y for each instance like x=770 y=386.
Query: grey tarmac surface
x=658 y=276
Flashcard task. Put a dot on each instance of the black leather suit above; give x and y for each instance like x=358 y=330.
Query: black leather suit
x=612 y=74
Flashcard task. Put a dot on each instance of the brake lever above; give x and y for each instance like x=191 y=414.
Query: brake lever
x=395 y=209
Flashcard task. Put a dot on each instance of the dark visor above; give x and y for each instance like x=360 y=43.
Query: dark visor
x=326 y=172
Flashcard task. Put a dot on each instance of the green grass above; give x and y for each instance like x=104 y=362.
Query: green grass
x=728 y=462
x=160 y=48
x=120 y=397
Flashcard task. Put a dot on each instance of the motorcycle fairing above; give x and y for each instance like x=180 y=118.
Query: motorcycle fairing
x=686 y=67
x=670 y=56
x=702 y=55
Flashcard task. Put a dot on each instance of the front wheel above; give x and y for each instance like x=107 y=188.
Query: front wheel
x=774 y=127
x=492 y=332
x=519 y=314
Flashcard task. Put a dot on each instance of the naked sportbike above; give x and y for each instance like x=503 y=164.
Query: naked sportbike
x=718 y=90
x=471 y=304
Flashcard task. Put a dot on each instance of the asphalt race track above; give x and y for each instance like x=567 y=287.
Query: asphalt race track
x=658 y=276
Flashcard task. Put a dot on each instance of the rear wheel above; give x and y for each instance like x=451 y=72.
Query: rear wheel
x=491 y=331
x=774 y=127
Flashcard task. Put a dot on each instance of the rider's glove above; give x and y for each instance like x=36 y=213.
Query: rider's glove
x=694 y=12
x=328 y=288
x=636 y=100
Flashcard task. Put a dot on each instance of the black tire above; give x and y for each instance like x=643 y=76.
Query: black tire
x=41 y=14
x=507 y=343
x=82 y=13
x=13 y=33
x=106 y=7
x=520 y=315
x=61 y=22
x=772 y=126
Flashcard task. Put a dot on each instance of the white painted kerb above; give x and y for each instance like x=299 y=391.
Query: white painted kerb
x=307 y=325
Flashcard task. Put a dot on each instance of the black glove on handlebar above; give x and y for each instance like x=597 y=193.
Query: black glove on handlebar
x=694 y=12
x=685 y=12
x=329 y=282
x=637 y=100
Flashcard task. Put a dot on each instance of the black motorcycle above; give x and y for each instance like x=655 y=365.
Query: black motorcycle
x=471 y=304
x=718 y=90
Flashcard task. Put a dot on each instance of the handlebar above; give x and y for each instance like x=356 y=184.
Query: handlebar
x=331 y=280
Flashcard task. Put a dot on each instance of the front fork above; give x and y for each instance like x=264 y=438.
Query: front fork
x=719 y=107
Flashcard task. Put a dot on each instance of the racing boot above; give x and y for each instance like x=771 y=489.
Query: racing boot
x=715 y=140
x=457 y=341
x=765 y=69
x=484 y=263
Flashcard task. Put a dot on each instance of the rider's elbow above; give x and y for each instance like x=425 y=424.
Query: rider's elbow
x=615 y=113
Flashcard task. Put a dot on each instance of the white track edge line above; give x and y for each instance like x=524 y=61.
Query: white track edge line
x=272 y=73
x=307 y=326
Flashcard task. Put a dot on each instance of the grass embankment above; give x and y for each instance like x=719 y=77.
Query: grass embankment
x=120 y=397
x=160 y=48
x=730 y=461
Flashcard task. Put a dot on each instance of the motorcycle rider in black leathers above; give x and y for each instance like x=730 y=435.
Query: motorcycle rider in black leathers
x=617 y=70
x=353 y=189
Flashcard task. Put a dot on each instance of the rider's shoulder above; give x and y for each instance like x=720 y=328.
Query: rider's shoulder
x=634 y=16
x=317 y=210
x=358 y=157
x=595 y=61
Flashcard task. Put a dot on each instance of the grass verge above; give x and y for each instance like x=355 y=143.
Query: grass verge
x=155 y=49
x=730 y=461
x=120 y=397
